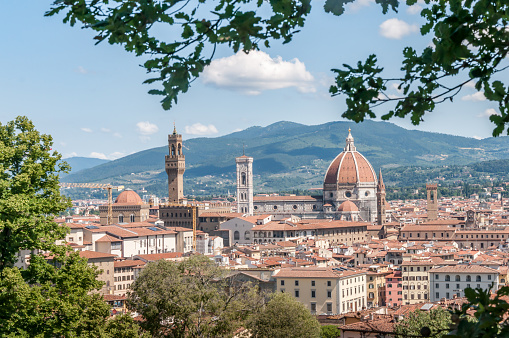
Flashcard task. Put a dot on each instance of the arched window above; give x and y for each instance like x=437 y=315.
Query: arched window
x=131 y=218
x=243 y=178
x=246 y=235
x=236 y=235
x=180 y=149
x=172 y=150
x=120 y=218
x=469 y=278
x=477 y=278
x=447 y=278
x=457 y=278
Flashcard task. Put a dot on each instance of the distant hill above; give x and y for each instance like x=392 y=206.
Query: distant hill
x=291 y=156
x=81 y=163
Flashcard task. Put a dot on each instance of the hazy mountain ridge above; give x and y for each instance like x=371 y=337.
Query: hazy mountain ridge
x=288 y=151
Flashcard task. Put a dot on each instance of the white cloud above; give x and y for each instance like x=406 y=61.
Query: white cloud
x=146 y=128
x=72 y=154
x=358 y=4
x=105 y=130
x=115 y=155
x=255 y=72
x=396 y=29
x=478 y=96
x=488 y=112
x=117 y=135
x=477 y=137
x=98 y=155
x=86 y=130
x=416 y=8
x=200 y=129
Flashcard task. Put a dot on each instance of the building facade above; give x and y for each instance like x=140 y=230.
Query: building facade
x=244 y=184
x=349 y=178
x=451 y=281
x=175 y=166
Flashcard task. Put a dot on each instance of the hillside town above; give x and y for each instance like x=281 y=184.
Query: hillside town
x=352 y=258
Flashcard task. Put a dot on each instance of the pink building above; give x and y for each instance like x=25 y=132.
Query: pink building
x=393 y=289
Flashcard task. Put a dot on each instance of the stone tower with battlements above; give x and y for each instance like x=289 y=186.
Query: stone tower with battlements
x=380 y=200
x=432 y=201
x=244 y=184
x=175 y=165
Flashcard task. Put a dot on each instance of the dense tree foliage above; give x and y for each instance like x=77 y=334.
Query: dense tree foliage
x=192 y=298
x=29 y=191
x=470 y=42
x=284 y=316
x=437 y=320
x=490 y=317
x=329 y=331
x=52 y=297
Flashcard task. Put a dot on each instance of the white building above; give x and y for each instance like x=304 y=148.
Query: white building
x=240 y=228
x=449 y=281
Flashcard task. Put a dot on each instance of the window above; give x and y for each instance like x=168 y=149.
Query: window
x=329 y=283
x=457 y=278
x=313 y=293
x=236 y=236
x=437 y=295
x=329 y=307
x=489 y=277
x=120 y=218
x=296 y=293
x=478 y=278
x=329 y=294
x=447 y=295
x=446 y=286
x=131 y=218
x=447 y=278
x=282 y=282
x=296 y=283
x=313 y=307
x=312 y=283
x=457 y=286
x=469 y=278
x=371 y=286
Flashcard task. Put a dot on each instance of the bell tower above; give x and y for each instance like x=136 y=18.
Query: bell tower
x=380 y=200
x=244 y=184
x=432 y=205
x=175 y=165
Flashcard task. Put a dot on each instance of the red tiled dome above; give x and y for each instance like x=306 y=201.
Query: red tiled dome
x=348 y=206
x=350 y=167
x=129 y=197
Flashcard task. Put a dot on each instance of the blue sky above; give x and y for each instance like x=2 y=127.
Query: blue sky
x=92 y=100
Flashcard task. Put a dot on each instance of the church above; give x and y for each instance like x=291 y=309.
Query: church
x=351 y=191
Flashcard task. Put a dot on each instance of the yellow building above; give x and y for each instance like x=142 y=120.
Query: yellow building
x=375 y=285
x=324 y=290
x=415 y=281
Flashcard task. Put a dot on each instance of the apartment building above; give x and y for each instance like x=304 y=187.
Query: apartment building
x=124 y=275
x=449 y=281
x=394 y=289
x=415 y=281
x=324 y=290
x=375 y=285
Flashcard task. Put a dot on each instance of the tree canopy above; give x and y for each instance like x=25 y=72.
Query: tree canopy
x=192 y=298
x=284 y=316
x=438 y=321
x=53 y=296
x=470 y=43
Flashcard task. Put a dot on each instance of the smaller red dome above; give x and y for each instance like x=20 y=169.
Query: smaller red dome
x=348 y=206
x=128 y=197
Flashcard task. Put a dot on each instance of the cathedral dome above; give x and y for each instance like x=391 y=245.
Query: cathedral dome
x=348 y=206
x=128 y=197
x=350 y=167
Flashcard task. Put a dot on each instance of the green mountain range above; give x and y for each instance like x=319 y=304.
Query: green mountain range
x=289 y=156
